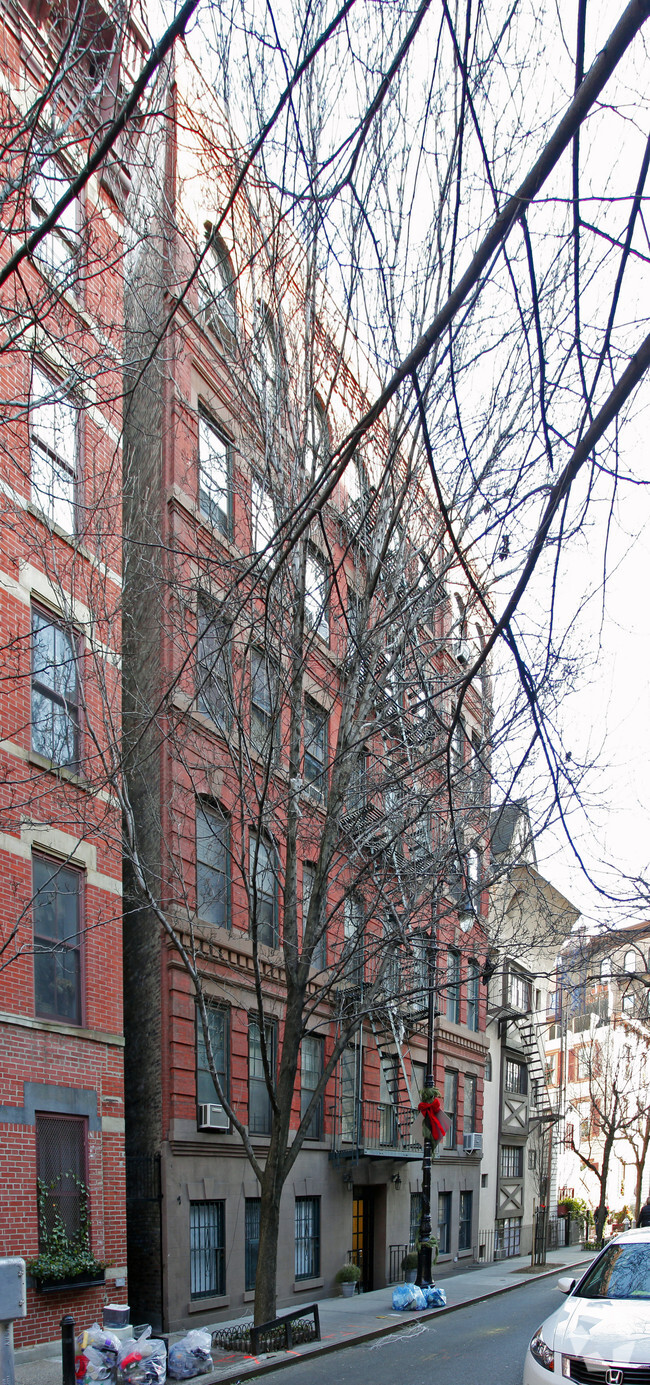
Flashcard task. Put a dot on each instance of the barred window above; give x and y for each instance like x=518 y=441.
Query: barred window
x=207 y=1249
x=61 y=1172
x=516 y=1077
x=444 y=1223
x=512 y=1161
x=307 y=1229
x=415 y=1218
x=252 y=1208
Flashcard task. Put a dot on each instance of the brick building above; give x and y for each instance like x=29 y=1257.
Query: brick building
x=61 y=1030
x=287 y=732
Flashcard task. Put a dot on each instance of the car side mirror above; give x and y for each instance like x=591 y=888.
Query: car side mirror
x=565 y=1285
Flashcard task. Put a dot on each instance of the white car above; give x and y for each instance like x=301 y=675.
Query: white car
x=601 y=1333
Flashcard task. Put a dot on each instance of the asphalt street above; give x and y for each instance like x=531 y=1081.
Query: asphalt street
x=483 y=1344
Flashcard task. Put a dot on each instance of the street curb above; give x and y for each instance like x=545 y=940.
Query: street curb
x=324 y=1349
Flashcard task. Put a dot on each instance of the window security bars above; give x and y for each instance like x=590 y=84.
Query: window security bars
x=207 y=1249
x=307 y=1233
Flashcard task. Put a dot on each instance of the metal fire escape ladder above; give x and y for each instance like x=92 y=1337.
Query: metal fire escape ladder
x=530 y=1037
x=393 y=1083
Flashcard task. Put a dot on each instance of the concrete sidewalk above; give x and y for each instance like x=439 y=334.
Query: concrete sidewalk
x=344 y=1321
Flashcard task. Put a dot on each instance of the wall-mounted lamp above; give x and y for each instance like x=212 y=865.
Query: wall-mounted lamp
x=396 y=1179
x=348 y=1181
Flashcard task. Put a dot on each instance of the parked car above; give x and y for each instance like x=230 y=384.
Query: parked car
x=601 y=1334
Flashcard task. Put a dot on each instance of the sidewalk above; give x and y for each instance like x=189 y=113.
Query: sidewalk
x=344 y=1321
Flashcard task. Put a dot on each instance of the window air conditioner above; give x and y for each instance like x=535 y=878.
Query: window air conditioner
x=211 y=1116
x=473 y=1143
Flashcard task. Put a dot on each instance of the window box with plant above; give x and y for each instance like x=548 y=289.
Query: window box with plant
x=65 y=1259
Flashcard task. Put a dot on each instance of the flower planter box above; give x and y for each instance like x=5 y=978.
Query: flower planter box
x=76 y=1281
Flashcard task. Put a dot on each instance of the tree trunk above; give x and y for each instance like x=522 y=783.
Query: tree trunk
x=266 y=1276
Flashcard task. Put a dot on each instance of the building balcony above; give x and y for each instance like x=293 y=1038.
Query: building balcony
x=373 y=1130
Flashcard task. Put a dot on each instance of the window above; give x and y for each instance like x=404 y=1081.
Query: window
x=532 y=1160
x=252 y=1207
x=263 y=521
x=61 y=1169
x=388 y=1084
x=263 y=699
x=585 y=1129
x=57 y=251
x=319 y=954
x=606 y=969
x=260 y=1113
x=206 y=1091
x=214 y=474
x=212 y=667
x=629 y=965
x=457 y=747
x=469 y=1103
x=311 y=1067
x=263 y=891
x=353 y=931
x=207 y=1249
x=473 y=973
x=453 y=986
x=307 y=1227
x=444 y=1223
x=415 y=1218
x=451 y=1107
x=488 y=1067
x=53 y=425
x=465 y=1224
x=512 y=1161
x=473 y=878
x=348 y=1075
x=317 y=444
x=507 y=1240
x=55 y=697
x=266 y=362
x=217 y=288
x=57 y=963
x=357 y=795
x=212 y=866
x=316 y=595
x=484 y=1180
x=519 y=991
x=315 y=749
x=516 y=1076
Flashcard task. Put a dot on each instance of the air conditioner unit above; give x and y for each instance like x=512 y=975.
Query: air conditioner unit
x=211 y=1116
x=463 y=651
x=473 y=1143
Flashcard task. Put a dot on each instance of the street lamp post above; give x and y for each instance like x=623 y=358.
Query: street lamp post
x=423 y=1276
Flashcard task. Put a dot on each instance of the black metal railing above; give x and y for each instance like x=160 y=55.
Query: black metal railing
x=395 y=1256
x=374 y=1125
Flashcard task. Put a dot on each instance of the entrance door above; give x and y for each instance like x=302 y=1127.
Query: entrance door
x=363 y=1234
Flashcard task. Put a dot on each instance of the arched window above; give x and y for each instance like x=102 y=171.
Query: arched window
x=265 y=354
x=629 y=964
x=217 y=288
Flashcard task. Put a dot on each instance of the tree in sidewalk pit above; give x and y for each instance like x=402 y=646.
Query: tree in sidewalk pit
x=385 y=203
x=613 y=1107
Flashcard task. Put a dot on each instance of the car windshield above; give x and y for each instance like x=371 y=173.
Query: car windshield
x=623 y=1271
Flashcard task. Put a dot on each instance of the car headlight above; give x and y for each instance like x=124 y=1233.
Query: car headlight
x=542 y=1353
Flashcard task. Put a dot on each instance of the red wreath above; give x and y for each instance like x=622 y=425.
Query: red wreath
x=429 y=1111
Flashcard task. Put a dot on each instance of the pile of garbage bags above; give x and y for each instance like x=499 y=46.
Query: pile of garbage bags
x=191 y=1356
x=411 y=1296
x=101 y=1356
x=142 y=1360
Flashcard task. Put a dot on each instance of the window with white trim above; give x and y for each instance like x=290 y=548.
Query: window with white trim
x=57 y=252
x=53 y=450
x=55 y=691
x=56 y=914
x=214 y=473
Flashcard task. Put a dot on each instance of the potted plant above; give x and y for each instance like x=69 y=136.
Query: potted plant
x=64 y=1261
x=348 y=1277
x=410 y=1266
